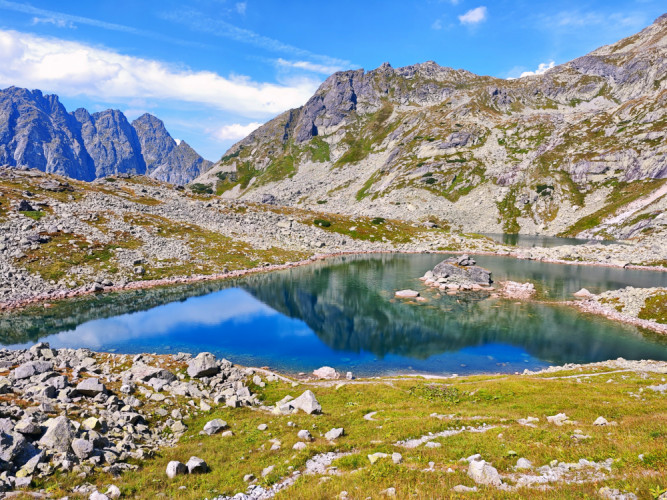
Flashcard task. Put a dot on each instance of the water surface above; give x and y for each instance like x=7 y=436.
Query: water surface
x=541 y=240
x=342 y=313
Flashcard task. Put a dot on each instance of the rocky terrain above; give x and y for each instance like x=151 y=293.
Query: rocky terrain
x=36 y=131
x=645 y=307
x=82 y=424
x=74 y=411
x=568 y=152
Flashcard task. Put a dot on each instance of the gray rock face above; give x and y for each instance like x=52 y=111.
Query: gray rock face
x=166 y=159
x=36 y=131
x=90 y=387
x=204 y=365
x=59 y=434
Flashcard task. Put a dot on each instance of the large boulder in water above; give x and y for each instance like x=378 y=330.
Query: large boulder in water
x=461 y=270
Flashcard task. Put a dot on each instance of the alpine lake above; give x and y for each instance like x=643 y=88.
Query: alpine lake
x=341 y=312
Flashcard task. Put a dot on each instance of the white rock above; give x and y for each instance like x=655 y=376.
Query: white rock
x=326 y=372
x=484 y=473
x=407 y=294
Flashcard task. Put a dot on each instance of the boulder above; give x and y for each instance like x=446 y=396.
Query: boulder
x=196 y=466
x=90 y=387
x=600 y=421
x=175 y=468
x=334 y=433
x=59 y=434
x=326 y=372
x=376 y=456
x=462 y=270
x=28 y=426
x=407 y=294
x=31 y=368
x=144 y=373
x=307 y=402
x=305 y=435
x=214 y=426
x=204 y=365
x=484 y=473
x=82 y=448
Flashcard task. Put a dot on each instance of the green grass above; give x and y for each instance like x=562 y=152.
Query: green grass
x=655 y=308
x=404 y=408
x=33 y=214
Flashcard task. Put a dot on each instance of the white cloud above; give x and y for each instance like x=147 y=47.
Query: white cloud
x=437 y=25
x=474 y=16
x=241 y=7
x=72 y=68
x=59 y=22
x=541 y=69
x=235 y=131
x=324 y=69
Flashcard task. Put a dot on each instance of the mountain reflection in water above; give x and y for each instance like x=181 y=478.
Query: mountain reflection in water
x=342 y=313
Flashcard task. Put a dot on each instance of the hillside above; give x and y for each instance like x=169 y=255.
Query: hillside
x=36 y=131
x=558 y=153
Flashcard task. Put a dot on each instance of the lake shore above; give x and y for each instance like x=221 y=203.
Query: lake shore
x=588 y=306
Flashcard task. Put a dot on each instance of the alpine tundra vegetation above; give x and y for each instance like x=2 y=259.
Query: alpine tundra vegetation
x=410 y=286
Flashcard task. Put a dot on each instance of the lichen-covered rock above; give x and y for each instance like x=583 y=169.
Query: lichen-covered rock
x=176 y=468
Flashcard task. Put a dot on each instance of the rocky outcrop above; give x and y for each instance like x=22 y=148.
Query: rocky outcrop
x=36 y=131
x=461 y=271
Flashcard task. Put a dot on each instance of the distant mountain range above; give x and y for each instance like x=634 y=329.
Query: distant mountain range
x=36 y=131
x=556 y=153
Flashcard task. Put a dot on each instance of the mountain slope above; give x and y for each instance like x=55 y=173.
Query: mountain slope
x=36 y=131
x=555 y=153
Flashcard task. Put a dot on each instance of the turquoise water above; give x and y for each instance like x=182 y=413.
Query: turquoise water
x=342 y=313
x=540 y=240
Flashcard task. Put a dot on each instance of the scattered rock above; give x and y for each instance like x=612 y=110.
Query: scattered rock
x=484 y=473
x=196 y=466
x=203 y=365
x=175 y=468
x=334 y=433
x=327 y=373
x=214 y=426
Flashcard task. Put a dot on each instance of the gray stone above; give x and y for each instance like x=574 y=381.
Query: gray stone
x=90 y=387
x=59 y=434
x=28 y=426
x=305 y=435
x=204 y=365
x=214 y=426
x=82 y=448
x=175 y=468
x=31 y=368
x=484 y=473
x=307 y=402
x=196 y=466
x=334 y=433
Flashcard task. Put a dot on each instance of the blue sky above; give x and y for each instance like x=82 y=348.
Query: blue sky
x=212 y=70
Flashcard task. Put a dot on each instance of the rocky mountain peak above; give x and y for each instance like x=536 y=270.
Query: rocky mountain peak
x=37 y=131
x=429 y=141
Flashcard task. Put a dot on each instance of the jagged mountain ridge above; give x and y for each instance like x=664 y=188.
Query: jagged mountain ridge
x=552 y=153
x=36 y=131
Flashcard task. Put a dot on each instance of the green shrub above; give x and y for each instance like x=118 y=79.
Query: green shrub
x=200 y=188
x=322 y=223
x=321 y=202
x=430 y=180
x=378 y=220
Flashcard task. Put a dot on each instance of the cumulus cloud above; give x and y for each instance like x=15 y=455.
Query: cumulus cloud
x=473 y=16
x=541 y=69
x=72 y=68
x=325 y=69
x=235 y=131
x=241 y=7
